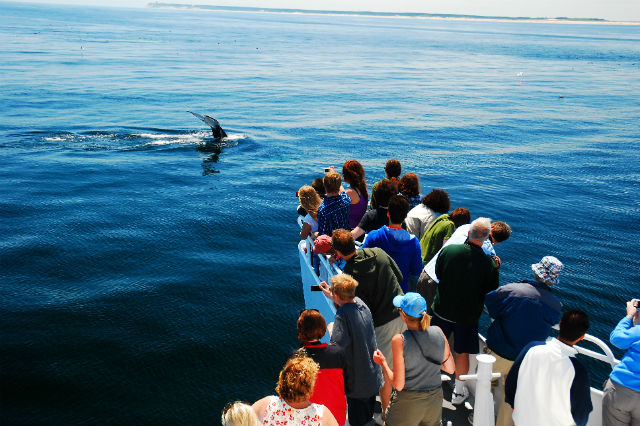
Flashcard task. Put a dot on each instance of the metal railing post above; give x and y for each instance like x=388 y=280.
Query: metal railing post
x=483 y=413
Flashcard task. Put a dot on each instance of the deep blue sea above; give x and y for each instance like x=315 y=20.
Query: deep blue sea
x=148 y=275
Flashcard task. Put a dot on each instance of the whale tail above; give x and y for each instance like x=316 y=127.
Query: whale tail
x=217 y=131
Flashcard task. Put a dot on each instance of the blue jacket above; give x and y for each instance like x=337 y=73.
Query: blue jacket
x=522 y=312
x=627 y=336
x=402 y=247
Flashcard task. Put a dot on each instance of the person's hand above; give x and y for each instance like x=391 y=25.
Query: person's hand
x=378 y=357
x=497 y=260
x=326 y=289
x=631 y=308
x=331 y=259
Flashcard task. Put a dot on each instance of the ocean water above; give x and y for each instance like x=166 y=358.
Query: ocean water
x=148 y=275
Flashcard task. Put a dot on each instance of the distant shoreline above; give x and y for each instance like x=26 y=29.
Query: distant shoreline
x=435 y=16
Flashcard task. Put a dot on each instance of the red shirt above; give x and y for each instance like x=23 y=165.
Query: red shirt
x=329 y=387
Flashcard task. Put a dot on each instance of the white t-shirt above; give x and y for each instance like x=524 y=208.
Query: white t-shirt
x=418 y=220
x=314 y=225
x=543 y=393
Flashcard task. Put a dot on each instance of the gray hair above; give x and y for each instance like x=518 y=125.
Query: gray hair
x=480 y=229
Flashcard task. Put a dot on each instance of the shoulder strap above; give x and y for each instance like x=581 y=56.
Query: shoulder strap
x=412 y=334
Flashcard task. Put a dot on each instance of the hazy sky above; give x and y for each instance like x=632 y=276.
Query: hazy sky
x=616 y=10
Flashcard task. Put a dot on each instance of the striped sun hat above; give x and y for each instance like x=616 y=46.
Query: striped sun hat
x=548 y=269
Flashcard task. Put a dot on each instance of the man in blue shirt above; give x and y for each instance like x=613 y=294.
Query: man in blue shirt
x=621 y=402
x=402 y=246
x=353 y=331
x=522 y=312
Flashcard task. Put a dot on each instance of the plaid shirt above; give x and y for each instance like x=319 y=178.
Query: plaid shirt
x=333 y=214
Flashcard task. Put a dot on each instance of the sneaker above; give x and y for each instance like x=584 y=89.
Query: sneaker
x=459 y=398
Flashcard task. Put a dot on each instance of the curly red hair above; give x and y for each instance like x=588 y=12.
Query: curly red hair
x=297 y=378
x=409 y=185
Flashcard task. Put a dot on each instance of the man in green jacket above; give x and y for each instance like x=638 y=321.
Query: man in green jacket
x=466 y=275
x=378 y=279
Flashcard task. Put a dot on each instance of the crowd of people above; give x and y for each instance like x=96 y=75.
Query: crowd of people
x=421 y=276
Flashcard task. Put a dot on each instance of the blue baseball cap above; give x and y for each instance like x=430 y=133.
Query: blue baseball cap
x=411 y=304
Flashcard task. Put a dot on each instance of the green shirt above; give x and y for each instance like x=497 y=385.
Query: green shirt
x=378 y=279
x=466 y=275
x=372 y=201
x=432 y=240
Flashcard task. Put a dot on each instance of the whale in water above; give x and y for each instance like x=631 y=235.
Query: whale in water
x=217 y=131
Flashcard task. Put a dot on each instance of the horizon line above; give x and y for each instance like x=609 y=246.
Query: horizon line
x=559 y=19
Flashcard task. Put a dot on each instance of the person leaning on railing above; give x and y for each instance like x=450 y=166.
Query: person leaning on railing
x=310 y=201
x=333 y=212
x=621 y=402
x=353 y=174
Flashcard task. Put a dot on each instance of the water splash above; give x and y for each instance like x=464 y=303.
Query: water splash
x=122 y=140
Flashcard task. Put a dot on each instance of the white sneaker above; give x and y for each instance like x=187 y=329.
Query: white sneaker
x=459 y=398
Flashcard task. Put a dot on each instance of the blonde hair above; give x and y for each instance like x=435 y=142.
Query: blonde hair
x=309 y=200
x=332 y=182
x=297 y=378
x=239 y=414
x=344 y=286
x=425 y=320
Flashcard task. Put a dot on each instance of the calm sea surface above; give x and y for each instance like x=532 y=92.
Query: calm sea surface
x=148 y=276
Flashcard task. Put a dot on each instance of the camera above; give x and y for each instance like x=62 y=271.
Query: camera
x=637 y=304
x=327 y=169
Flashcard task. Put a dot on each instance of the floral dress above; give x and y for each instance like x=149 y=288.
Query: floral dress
x=279 y=413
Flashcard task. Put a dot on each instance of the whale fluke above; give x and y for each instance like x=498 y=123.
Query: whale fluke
x=218 y=132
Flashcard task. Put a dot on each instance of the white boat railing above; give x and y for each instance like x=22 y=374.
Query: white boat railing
x=607 y=356
x=483 y=410
x=317 y=300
